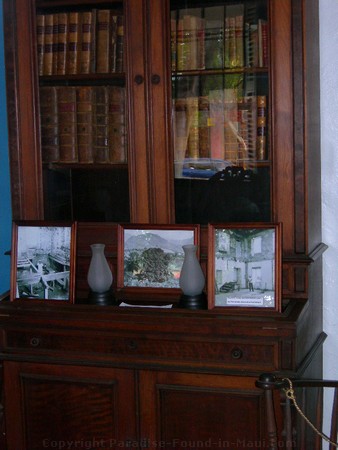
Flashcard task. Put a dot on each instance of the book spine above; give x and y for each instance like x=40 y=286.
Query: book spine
x=243 y=131
x=101 y=147
x=180 y=133
x=231 y=138
x=40 y=34
x=62 y=43
x=55 y=46
x=263 y=42
x=261 y=127
x=239 y=37
x=113 y=43
x=84 y=115
x=247 y=45
x=93 y=41
x=173 y=40
x=49 y=124
x=48 y=45
x=190 y=42
x=251 y=102
x=234 y=25
x=203 y=128
x=117 y=125
x=67 y=124
x=86 y=38
x=251 y=34
x=120 y=44
x=73 y=43
x=226 y=42
x=193 y=136
x=214 y=37
x=216 y=121
x=195 y=24
x=180 y=63
x=201 y=44
x=232 y=42
x=103 y=40
x=254 y=45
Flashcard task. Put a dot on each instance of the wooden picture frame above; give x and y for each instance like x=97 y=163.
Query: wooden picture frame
x=43 y=261
x=244 y=267
x=150 y=259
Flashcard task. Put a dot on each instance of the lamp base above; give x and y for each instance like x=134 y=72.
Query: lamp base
x=100 y=298
x=193 y=301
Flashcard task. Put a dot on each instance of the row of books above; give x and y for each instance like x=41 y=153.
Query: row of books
x=218 y=37
x=80 y=42
x=221 y=126
x=84 y=124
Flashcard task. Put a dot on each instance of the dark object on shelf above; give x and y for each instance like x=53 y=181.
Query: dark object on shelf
x=193 y=301
x=234 y=194
x=237 y=172
x=101 y=299
x=231 y=196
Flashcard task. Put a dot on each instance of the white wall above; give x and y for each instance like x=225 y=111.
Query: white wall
x=328 y=16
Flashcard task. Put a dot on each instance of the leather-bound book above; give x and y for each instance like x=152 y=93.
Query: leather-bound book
x=48 y=45
x=62 y=43
x=49 y=124
x=55 y=43
x=86 y=41
x=92 y=62
x=261 y=127
x=193 y=137
x=102 y=40
x=73 y=43
x=100 y=132
x=120 y=44
x=67 y=124
x=40 y=36
x=84 y=112
x=113 y=42
x=117 y=125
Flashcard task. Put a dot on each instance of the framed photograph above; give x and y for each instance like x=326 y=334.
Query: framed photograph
x=150 y=257
x=43 y=261
x=244 y=266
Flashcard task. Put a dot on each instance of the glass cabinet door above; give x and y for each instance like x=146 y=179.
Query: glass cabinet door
x=220 y=110
x=82 y=109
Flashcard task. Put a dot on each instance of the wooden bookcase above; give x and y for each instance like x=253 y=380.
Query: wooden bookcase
x=168 y=364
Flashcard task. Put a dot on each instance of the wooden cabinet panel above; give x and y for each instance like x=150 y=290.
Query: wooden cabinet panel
x=50 y=405
x=200 y=411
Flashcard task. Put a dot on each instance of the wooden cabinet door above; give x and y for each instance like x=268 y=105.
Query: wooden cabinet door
x=50 y=405
x=148 y=82
x=181 y=410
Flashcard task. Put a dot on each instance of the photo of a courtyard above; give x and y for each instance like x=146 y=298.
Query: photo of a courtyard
x=245 y=267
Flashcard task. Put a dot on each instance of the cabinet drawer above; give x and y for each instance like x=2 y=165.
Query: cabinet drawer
x=151 y=349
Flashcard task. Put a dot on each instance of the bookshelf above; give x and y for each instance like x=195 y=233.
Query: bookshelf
x=154 y=183
x=82 y=110
x=220 y=64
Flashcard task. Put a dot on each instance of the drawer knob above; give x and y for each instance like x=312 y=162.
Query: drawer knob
x=138 y=79
x=236 y=353
x=34 y=342
x=155 y=79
